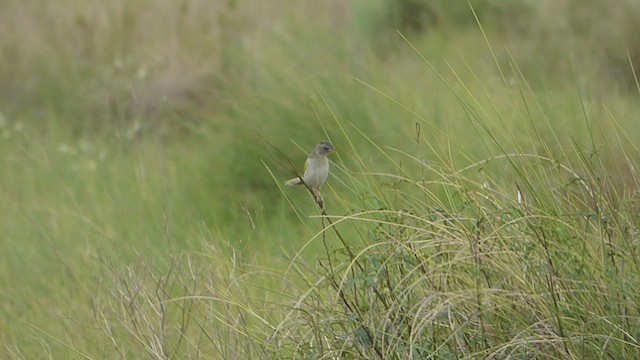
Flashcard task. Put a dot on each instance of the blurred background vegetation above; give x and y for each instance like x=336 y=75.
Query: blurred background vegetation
x=136 y=129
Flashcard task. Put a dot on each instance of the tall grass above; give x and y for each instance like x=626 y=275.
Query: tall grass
x=483 y=202
x=519 y=255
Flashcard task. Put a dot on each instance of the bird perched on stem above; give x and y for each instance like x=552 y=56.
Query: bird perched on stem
x=316 y=170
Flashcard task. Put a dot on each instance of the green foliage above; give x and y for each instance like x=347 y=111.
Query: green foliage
x=430 y=15
x=483 y=202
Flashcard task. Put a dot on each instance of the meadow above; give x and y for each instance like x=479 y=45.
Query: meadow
x=484 y=200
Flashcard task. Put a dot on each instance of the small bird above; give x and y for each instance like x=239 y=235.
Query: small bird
x=316 y=169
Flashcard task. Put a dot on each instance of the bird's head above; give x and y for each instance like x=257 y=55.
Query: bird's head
x=324 y=148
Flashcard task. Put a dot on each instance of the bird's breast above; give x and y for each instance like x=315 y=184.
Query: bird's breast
x=317 y=172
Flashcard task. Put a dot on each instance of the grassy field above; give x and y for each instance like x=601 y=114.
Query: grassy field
x=484 y=201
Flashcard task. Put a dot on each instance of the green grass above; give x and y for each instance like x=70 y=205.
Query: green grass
x=483 y=202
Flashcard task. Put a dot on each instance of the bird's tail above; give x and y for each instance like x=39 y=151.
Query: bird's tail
x=294 y=181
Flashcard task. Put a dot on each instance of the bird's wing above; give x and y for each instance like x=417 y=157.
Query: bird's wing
x=306 y=165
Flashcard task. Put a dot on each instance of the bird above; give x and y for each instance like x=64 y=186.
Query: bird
x=316 y=170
